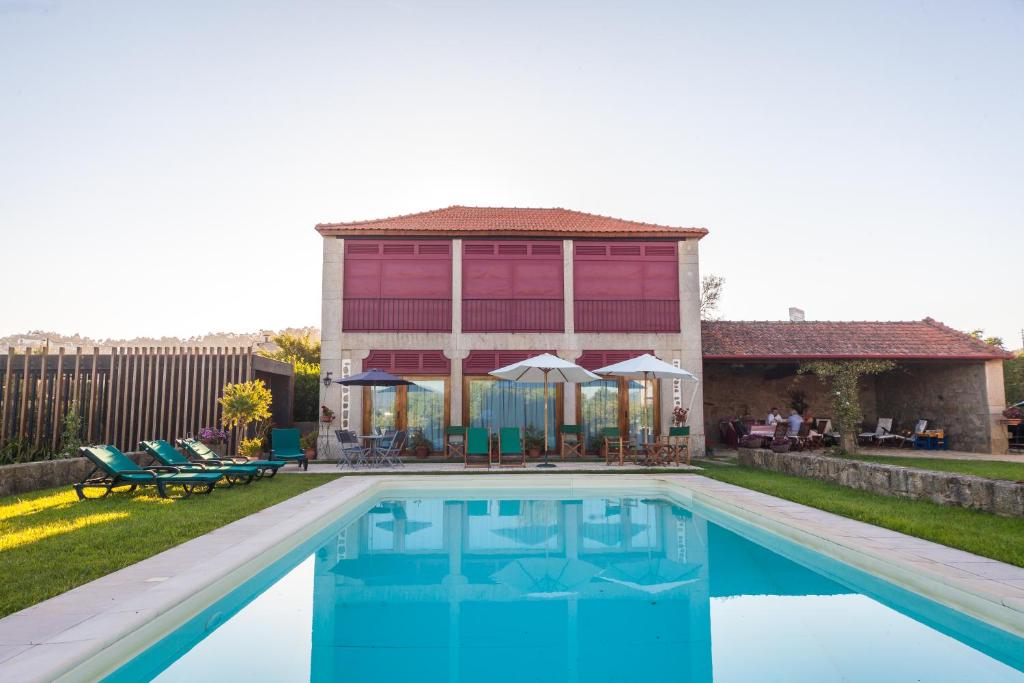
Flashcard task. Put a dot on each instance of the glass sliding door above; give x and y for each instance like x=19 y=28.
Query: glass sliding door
x=424 y=410
x=599 y=408
x=499 y=403
x=420 y=406
x=636 y=419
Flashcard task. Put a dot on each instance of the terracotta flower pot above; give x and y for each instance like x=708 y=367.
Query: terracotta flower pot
x=533 y=452
x=421 y=452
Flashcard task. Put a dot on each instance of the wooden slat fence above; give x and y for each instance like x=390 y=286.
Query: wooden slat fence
x=122 y=397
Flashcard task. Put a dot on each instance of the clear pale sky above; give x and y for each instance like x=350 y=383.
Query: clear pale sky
x=162 y=164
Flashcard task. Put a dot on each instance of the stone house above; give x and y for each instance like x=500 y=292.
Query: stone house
x=445 y=296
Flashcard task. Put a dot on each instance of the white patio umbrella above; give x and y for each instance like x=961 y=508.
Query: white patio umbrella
x=545 y=368
x=647 y=367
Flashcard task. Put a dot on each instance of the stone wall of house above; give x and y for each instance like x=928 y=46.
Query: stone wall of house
x=732 y=390
x=944 y=488
x=952 y=396
x=32 y=476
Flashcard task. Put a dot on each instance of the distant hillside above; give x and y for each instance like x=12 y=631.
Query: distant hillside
x=56 y=340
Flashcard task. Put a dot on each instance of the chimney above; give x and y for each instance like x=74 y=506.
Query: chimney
x=796 y=315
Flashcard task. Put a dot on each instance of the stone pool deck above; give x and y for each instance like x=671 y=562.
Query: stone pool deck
x=86 y=632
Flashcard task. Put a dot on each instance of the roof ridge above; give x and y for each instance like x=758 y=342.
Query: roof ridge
x=369 y=221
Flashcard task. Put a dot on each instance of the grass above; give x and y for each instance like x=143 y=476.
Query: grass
x=50 y=542
x=981 y=533
x=993 y=469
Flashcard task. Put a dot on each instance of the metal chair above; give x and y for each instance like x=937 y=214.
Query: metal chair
x=353 y=453
x=571 y=440
x=390 y=454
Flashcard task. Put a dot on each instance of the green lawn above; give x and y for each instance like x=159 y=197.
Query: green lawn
x=50 y=542
x=1001 y=538
x=993 y=469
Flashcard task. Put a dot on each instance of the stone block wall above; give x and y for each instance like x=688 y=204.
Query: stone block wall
x=945 y=488
x=32 y=476
x=951 y=395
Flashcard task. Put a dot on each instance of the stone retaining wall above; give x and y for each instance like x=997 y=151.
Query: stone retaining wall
x=32 y=476
x=945 y=488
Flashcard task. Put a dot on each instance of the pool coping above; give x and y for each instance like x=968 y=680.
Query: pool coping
x=86 y=632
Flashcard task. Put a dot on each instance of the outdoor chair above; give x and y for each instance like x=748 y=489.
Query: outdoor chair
x=389 y=454
x=203 y=454
x=899 y=439
x=672 y=446
x=478 y=447
x=166 y=454
x=353 y=453
x=883 y=427
x=510 y=448
x=570 y=440
x=802 y=438
x=284 y=445
x=615 y=447
x=454 y=441
x=118 y=470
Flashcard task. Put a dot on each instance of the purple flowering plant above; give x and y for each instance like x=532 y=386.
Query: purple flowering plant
x=211 y=435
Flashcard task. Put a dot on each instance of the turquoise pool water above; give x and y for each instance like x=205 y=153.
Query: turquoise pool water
x=592 y=589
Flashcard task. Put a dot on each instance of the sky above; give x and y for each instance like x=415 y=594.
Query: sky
x=162 y=164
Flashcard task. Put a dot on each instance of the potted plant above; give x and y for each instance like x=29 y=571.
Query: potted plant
x=308 y=445
x=215 y=439
x=679 y=415
x=1013 y=415
x=419 y=445
x=533 y=441
x=247 y=404
x=326 y=414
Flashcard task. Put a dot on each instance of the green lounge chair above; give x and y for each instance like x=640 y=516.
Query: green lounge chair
x=478 y=447
x=119 y=470
x=166 y=454
x=284 y=445
x=510 y=448
x=203 y=454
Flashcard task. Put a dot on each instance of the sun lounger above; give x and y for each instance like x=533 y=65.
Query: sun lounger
x=166 y=454
x=510 y=448
x=478 y=447
x=284 y=445
x=118 y=471
x=203 y=454
x=883 y=427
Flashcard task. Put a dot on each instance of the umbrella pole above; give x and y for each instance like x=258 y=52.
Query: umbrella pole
x=546 y=462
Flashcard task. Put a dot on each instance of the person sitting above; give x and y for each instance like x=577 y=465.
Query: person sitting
x=773 y=417
x=794 y=420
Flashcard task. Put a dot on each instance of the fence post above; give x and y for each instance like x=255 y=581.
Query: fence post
x=7 y=395
x=58 y=393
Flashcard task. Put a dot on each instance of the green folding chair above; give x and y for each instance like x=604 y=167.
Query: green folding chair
x=510 y=448
x=570 y=440
x=284 y=445
x=166 y=454
x=478 y=447
x=454 y=441
x=118 y=470
x=615 y=447
x=205 y=455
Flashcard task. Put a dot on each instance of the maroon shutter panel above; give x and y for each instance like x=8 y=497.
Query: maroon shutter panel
x=482 y=362
x=409 y=362
x=591 y=360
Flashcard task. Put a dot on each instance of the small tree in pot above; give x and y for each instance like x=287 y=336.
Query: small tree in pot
x=247 y=404
x=419 y=444
x=308 y=445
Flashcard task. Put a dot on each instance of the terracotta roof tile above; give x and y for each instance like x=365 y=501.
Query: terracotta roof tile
x=482 y=220
x=920 y=339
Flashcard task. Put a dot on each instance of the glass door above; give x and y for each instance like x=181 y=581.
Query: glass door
x=383 y=408
x=499 y=403
x=636 y=418
x=599 y=409
x=420 y=406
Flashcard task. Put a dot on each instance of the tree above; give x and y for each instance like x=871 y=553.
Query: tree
x=304 y=354
x=979 y=334
x=292 y=347
x=246 y=404
x=710 y=296
x=1013 y=377
x=844 y=389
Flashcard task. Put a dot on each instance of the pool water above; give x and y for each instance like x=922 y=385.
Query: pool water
x=592 y=589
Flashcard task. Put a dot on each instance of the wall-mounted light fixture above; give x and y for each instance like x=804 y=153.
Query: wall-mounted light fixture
x=327 y=379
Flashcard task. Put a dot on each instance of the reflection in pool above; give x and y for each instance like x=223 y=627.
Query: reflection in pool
x=596 y=589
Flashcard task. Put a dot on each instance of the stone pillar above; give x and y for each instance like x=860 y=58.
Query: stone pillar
x=567 y=288
x=691 y=354
x=355 y=401
x=456 y=288
x=569 y=390
x=455 y=391
x=330 y=320
x=995 y=402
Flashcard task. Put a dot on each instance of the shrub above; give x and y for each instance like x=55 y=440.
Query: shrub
x=246 y=404
x=251 y=448
x=71 y=434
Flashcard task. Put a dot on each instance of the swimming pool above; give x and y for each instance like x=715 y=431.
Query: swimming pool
x=545 y=586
